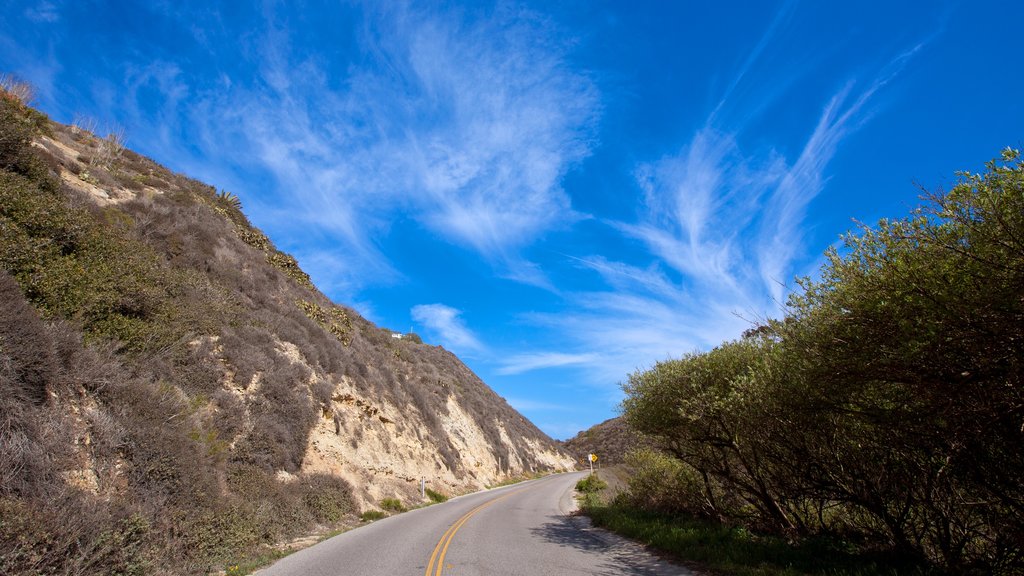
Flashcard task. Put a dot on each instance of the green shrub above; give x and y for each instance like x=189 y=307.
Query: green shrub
x=327 y=498
x=371 y=515
x=65 y=536
x=730 y=549
x=659 y=482
x=435 y=496
x=591 y=484
x=392 y=504
x=885 y=406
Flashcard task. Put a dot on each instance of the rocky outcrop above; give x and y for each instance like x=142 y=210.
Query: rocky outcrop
x=396 y=411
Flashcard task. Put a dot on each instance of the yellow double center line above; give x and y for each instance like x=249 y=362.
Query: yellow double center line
x=437 y=558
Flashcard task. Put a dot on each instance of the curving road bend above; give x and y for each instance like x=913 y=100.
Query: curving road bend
x=526 y=529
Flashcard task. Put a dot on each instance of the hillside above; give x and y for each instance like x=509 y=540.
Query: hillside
x=611 y=440
x=174 y=390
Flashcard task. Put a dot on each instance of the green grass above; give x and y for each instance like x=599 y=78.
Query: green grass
x=436 y=496
x=591 y=484
x=254 y=563
x=392 y=504
x=738 y=552
x=371 y=515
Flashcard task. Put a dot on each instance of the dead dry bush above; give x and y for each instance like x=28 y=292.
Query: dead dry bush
x=283 y=415
x=71 y=536
x=248 y=351
x=282 y=509
x=45 y=526
x=20 y=90
x=25 y=346
x=229 y=415
x=167 y=462
x=326 y=498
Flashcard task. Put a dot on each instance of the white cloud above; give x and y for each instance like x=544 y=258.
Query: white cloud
x=445 y=323
x=699 y=204
x=723 y=232
x=536 y=361
x=462 y=122
x=466 y=125
x=508 y=118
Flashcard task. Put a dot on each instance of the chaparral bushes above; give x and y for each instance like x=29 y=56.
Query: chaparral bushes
x=886 y=408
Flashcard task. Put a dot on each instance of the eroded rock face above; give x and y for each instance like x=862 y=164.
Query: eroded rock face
x=395 y=411
x=384 y=450
x=387 y=460
x=368 y=433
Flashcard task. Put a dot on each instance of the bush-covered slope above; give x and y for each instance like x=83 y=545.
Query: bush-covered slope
x=611 y=440
x=886 y=408
x=174 y=392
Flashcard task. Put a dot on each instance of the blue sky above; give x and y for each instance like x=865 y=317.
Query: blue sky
x=561 y=193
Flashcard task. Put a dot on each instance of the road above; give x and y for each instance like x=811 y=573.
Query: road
x=525 y=529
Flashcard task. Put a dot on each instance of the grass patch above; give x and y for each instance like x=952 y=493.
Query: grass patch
x=250 y=565
x=371 y=515
x=436 y=496
x=392 y=504
x=591 y=484
x=739 y=552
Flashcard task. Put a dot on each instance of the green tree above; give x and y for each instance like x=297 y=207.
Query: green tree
x=888 y=403
x=913 y=340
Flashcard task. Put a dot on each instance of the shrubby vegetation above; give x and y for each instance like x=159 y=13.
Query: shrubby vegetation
x=611 y=440
x=591 y=483
x=393 y=505
x=435 y=496
x=885 y=409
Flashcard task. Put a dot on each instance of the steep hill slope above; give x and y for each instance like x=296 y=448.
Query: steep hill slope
x=176 y=385
x=611 y=440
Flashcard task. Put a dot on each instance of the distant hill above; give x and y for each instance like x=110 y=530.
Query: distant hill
x=610 y=440
x=175 y=393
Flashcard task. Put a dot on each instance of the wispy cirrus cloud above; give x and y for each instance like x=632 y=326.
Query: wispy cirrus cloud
x=723 y=230
x=461 y=122
x=509 y=119
x=464 y=124
x=446 y=324
x=520 y=363
x=780 y=238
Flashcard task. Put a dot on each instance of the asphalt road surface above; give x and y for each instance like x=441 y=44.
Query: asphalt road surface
x=526 y=529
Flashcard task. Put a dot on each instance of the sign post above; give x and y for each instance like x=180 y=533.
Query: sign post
x=592 y=458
